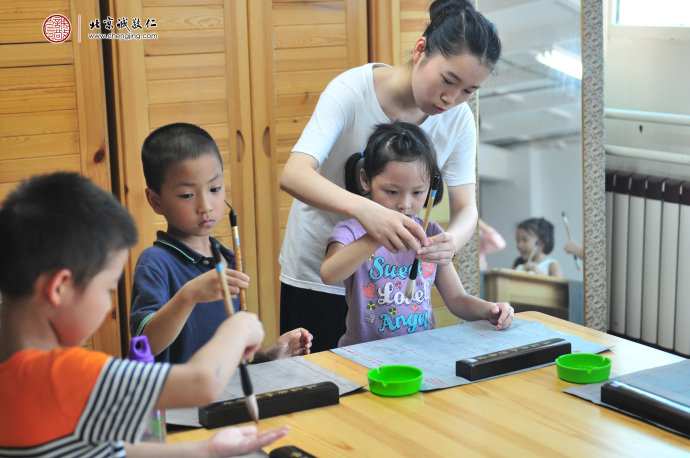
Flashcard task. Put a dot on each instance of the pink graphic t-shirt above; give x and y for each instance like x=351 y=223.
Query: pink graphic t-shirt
x=375 y=293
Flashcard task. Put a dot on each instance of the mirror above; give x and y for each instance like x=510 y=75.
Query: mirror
x=530 y=144
x=589 y=159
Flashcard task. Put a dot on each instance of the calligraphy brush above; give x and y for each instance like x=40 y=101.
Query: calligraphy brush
x=531 y=254
x=412 y=278
x=238 y=253
x=570 y=237
x=249 y=397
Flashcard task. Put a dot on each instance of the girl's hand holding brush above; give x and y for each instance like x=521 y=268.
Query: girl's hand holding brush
x=414 y=269
x=439 y=249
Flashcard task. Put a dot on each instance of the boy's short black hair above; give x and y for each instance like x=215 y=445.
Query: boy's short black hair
x=59 y=221
x=171 y=144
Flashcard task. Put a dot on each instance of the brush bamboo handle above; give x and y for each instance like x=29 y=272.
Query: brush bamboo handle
x=227 y=300
x=226 y=293
x=429 y=203
x=238 y=263
x=570 y=237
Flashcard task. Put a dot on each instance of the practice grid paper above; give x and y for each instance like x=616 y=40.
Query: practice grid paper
x=436 y=351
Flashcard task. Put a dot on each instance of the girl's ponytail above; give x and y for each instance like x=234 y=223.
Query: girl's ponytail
x=352 y=168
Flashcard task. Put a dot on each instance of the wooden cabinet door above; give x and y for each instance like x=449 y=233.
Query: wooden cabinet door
x=52 y=107
x=195 y=71
x=296 y=48
x=394 y=26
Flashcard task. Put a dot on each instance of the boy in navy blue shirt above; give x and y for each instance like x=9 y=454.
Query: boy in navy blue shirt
x=176 y=296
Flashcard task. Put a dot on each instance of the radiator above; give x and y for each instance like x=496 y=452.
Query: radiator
x=648 y=269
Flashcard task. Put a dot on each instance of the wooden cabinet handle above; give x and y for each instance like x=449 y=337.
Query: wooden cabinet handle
x=240 y=145
x=267 y=141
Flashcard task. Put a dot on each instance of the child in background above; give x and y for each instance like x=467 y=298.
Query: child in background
x=176 y=297
x=66 y=242
x=535 y=239
x=395 y=171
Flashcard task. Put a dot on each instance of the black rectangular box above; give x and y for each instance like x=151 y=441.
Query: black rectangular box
x=511 y=359
x=647 y=405
x=270 y=404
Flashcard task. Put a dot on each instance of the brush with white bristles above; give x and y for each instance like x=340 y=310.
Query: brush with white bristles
x=249 y=397
x=412 y=279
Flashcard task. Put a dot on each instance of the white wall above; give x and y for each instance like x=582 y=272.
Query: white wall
x=546 y=181
x=647 y=69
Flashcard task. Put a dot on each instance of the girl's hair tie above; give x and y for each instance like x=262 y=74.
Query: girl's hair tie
x=362 y=154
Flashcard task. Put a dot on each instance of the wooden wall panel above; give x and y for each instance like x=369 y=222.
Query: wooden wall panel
x=394 y=27
x=414 y=17
x=30 y=100
x=21 y=30
x=325 y=57
x=296 y=104
x=178 y=17
x=193 y=66
x=32 y=123
x=205 y=112
x=38 y=145
x=52 y=76
x=35 y=9
x=186 y=42
x=34 y=54
x=186 y=90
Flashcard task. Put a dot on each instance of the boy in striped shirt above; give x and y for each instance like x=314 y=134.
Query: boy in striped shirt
x=64 y=243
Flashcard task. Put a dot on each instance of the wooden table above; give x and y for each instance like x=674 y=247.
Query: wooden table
x=527 y=291
x=517 y=415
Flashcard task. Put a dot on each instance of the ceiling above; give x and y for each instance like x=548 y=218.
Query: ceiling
x=524 y=100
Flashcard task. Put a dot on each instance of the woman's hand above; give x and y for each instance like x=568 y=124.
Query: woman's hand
x=439 y=249
x=394 y=230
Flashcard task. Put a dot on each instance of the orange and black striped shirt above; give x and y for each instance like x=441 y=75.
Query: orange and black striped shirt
x=74 y=401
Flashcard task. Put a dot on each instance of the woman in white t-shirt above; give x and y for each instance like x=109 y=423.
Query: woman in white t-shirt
x=456 y=53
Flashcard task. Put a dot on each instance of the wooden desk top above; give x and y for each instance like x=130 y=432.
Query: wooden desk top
x=520 y=275
x=516 y=415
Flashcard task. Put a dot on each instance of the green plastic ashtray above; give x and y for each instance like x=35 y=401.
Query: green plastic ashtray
x=583 y=367
x=395 y=380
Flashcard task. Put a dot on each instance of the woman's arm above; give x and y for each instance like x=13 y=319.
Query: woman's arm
x=392 y=229
x=555 y=269
x=341 y=261
x=441 y=248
